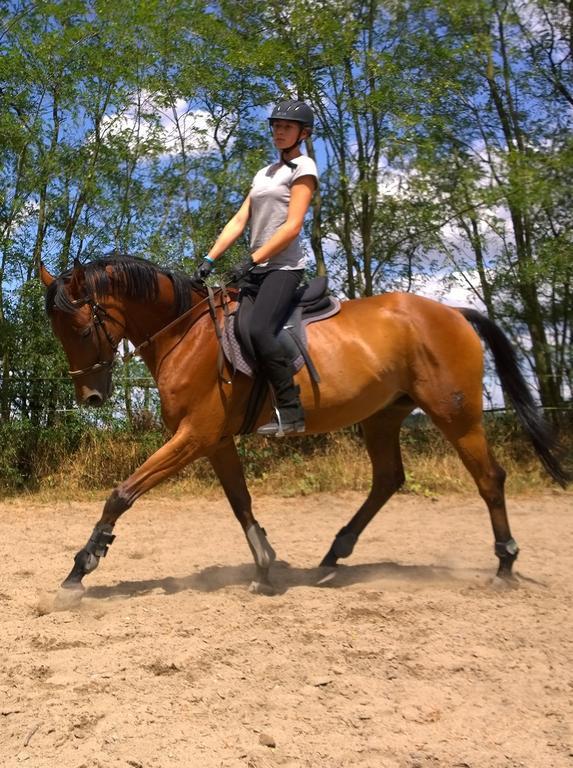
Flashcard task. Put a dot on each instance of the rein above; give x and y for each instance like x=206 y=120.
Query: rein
x=210 y=298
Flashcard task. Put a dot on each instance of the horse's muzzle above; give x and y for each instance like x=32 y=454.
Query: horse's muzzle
x=91 y=397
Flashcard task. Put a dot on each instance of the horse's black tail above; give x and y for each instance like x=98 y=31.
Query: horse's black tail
x=514 y=385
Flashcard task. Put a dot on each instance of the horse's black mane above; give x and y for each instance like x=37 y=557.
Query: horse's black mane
x=131 y=277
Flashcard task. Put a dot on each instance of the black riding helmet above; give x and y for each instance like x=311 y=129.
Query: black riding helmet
x=297 y=111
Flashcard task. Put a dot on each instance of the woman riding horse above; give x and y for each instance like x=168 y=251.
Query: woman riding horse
x=275 y=207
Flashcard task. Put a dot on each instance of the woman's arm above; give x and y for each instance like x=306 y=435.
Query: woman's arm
x=232 y=230
x=300 y=197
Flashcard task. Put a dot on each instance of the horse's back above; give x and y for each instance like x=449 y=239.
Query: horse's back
x=381 y=347
x=437 y=328
x=408 y=320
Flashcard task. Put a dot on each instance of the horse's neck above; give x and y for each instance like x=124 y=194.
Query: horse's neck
x=156 y=326
x=144 y=318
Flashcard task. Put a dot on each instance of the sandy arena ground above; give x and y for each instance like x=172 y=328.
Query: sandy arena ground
x=409 y=659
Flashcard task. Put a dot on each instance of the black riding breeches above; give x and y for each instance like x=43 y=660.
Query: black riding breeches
x=276 y=291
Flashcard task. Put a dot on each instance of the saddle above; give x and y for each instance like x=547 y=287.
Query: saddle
x=312 y=303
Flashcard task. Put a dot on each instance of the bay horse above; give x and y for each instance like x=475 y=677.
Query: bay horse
x=379 y=358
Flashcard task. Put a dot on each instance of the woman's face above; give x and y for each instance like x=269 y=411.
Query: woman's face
x=286 y=133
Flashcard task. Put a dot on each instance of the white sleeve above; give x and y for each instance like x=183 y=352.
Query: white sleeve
x=305 y=166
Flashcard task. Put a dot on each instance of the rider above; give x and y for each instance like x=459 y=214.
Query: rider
x=276 y=205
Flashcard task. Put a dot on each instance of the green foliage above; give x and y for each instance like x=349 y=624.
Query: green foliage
x=76 y=456
x=28 y=454
x=443 y=139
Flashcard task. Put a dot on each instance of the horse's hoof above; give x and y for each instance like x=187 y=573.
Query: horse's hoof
x=262 y=588
x=505 y=582
x=68 y=598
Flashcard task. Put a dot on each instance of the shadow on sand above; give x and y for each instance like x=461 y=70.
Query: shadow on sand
x=390 y=575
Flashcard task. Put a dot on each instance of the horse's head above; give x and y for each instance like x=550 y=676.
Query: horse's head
x=86 y=330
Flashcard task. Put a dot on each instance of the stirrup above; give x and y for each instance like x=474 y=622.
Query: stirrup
x=278 y=427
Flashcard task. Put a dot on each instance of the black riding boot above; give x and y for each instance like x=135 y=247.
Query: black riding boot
x=289 y=415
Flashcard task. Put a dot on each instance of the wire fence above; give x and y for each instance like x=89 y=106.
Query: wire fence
x=135 y=395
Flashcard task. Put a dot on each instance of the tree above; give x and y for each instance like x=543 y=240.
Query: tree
x=443 y=137
x=483 y=109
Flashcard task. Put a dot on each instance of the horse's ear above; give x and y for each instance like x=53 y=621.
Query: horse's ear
x=78 y=280
x=46 y=278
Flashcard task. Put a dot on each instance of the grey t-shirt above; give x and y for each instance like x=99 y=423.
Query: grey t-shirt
x=270 y=197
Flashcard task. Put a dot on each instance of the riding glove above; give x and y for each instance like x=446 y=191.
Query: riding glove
x=203 y=270
x=240 y=271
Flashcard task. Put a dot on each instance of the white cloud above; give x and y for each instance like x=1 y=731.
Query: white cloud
x=176 y=127
x=454 y=293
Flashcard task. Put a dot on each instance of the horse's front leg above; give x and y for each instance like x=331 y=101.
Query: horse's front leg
x=164 y=463
x=227 y=465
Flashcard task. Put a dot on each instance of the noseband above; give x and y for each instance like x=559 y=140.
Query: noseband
x=98 y=324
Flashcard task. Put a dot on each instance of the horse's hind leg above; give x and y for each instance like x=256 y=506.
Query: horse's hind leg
x=382 y=437
x=468 y=438
x=227 y=465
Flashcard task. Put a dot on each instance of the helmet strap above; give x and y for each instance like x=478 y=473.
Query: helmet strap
x=297 y=143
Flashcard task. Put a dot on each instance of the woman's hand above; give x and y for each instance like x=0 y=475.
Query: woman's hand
x=240 y=271
x=203 y=270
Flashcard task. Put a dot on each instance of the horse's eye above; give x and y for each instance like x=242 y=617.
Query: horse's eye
x=86 y=332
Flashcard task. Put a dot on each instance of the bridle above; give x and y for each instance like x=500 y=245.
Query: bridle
x=99 y=314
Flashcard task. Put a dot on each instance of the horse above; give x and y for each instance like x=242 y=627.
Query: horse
x=379 y=358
